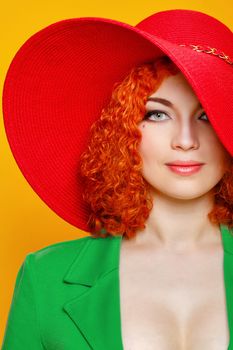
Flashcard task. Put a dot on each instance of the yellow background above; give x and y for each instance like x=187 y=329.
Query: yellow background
x=27 y=224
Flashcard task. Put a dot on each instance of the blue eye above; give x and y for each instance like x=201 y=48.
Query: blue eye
x=154 y=112
x=157 y=115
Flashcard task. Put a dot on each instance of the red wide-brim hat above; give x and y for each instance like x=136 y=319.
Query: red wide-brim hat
x=62 y=76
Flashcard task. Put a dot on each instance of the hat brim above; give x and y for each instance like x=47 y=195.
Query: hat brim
x=61 y=78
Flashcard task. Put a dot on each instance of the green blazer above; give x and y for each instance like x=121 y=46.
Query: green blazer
x=66 y=296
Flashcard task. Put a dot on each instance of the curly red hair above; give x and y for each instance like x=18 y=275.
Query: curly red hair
x=111 y=165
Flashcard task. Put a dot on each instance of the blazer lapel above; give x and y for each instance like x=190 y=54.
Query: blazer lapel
x=227 y=240
x=96 y=308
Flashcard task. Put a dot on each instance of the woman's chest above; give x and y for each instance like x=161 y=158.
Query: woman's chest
x=173 y=302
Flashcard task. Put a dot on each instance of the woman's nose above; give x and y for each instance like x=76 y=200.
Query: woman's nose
x=185 y=137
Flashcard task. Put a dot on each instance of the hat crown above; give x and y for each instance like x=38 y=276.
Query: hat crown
x=189 y=27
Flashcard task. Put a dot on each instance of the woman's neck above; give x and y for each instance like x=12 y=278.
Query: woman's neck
x=179 y=224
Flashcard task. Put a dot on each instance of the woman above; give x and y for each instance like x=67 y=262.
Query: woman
x=181 y=243
x=150 y=274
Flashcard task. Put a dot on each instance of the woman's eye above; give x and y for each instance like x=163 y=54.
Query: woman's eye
x=157 y=115
x=207 y=120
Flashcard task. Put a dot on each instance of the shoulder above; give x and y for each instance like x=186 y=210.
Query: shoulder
x=52 y=263
x=55 y=257
x=60 y=249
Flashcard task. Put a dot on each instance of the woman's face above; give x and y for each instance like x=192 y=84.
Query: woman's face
x=180 y=131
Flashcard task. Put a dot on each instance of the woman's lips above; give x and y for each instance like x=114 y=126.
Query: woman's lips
x=185 y=169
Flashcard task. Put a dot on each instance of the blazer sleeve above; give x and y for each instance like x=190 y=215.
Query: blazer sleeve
x=22 y=329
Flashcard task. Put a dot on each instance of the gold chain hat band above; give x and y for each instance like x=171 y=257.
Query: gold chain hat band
x=210 y=50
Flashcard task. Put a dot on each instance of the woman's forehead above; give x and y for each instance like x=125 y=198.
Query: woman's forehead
x=173 y=90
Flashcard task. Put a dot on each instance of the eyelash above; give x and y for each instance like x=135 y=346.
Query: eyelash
x=148 y=114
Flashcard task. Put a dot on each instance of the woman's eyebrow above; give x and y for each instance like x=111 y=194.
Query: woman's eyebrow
x=164 y=101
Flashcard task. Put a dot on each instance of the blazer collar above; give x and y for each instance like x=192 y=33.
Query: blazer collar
x=227 y=238
x=95 y=310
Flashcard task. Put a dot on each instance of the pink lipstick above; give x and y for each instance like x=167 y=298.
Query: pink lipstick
x=185 y=168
